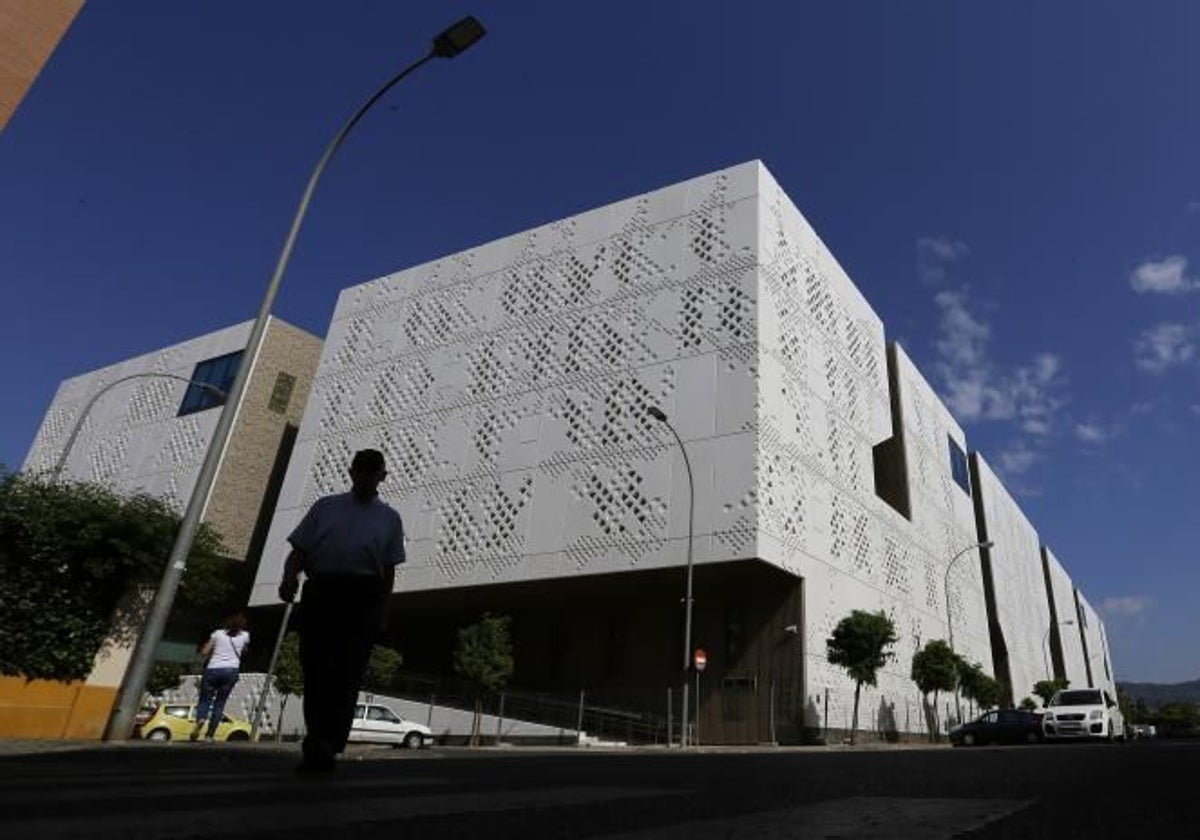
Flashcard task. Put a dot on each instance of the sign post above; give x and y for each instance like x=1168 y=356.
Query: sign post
x=700 y=662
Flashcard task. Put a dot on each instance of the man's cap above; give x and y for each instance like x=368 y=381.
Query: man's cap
x=370 y=459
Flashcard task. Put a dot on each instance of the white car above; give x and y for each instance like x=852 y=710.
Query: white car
x=1083 y=713
x=376 y=724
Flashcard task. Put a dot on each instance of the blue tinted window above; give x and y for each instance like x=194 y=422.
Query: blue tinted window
x=219 y=373
x=958 y=466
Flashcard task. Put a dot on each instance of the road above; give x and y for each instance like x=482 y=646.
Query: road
x=190 y=790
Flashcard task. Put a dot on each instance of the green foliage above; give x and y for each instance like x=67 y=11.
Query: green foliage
x=382 y=668
x=289 y=676
x=1046 y=689
x=165 y=676
x=1028 y=704
x=485 y=655
x=977 y=686
x=1176 y=719
x=935 y=667
x=1125 y=702
x=860 y=644
x=72 y=556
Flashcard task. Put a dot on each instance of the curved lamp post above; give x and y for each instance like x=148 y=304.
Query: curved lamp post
x=1046 y=643
x=66 y=450
x=949 y=617
x=448 y=44
x=660 y=416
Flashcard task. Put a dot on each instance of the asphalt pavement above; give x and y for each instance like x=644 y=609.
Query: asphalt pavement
x=193 y=790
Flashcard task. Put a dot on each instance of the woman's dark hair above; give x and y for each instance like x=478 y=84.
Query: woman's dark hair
x=235 y=624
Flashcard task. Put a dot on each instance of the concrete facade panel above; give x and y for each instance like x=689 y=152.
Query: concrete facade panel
x=1022 y=605
x=1063 y=594
x=508 y=387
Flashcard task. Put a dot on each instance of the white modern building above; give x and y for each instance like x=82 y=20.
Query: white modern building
x=509 y=387
x=143 y=426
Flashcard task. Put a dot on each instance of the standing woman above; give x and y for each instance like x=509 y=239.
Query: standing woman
x=223 y=652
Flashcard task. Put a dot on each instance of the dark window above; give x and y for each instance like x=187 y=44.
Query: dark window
x=958 y=466
x=281 y=394
x=218 y=373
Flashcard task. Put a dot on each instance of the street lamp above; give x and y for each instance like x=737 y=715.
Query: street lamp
x=946 y=584
x=66 y=450
x=1046 y=644
x=447 y=44
x=949 y=617
x=657 y=414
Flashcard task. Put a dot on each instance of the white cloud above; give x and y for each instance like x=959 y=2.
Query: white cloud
x=1091 y=432
x=974 y=389
x=1166 y=276
x=935 y=253
x=1125 y=606
x=1017 y=458
x=1163 y=346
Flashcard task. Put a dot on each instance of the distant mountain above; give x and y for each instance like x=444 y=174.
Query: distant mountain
x=1155 y=694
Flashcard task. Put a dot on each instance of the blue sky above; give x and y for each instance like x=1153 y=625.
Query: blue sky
x=1015 y=188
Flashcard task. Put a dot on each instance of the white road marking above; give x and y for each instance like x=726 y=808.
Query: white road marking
x=854 y=818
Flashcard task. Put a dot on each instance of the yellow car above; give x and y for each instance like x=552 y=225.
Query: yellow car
x=175 y=721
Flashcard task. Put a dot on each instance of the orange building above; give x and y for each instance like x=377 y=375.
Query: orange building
x=29 y=33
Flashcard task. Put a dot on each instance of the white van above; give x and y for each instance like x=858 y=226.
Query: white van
x=1083 y=713
x=376 y=724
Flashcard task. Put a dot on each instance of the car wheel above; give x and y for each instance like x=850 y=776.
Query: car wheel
x=239 y=735
x=1032 y=738
x=968 y=740
x=413 y=740
x=159 y=734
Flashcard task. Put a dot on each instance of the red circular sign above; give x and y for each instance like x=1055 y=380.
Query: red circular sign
x=700 y=658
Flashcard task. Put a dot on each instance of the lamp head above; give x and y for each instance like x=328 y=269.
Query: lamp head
x=657 y=413
x=458 y=37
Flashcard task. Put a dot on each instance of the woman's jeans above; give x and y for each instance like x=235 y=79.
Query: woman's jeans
x=215 y=686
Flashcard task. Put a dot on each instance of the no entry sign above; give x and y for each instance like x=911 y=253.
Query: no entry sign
x=700 y=658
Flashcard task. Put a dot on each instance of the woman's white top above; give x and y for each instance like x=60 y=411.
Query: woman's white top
x=227 y=650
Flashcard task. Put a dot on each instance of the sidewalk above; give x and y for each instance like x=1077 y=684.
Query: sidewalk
x=370 y=752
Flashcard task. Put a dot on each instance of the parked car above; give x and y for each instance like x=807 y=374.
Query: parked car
x=175 y=721
x=1004 y=726
x=376 y=724
x=1142 y=730
x=1083 y=713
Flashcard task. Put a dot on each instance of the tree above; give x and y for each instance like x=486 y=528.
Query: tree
x=977 y=686
x=860 y=644
x=289 y=676
x=1028 y=704
x=382 y=668
x=165 y=676
x=1046 y=689
x=484 y=657
x=934 y=669
x=73 y=555
x=1125 y=702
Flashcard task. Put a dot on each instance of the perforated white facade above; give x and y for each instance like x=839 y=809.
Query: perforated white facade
x=508 y=386
x=132 y=439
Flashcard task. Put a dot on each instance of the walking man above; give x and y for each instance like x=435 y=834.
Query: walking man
x=348 y=546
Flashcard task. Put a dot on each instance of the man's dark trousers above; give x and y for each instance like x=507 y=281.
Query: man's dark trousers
x=339 y=620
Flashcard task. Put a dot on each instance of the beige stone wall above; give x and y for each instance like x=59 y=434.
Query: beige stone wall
x=238 y=492
x=29 y=32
